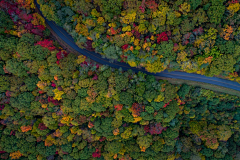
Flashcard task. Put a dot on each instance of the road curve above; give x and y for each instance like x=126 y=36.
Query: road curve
x=175 y=74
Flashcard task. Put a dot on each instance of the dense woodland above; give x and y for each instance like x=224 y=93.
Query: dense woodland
x=200 y=36
x=56 y=105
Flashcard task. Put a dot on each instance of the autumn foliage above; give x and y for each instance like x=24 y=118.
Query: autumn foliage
x=26 y=128
x=56 y=105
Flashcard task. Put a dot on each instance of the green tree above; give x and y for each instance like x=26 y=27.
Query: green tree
x=98 y=107
x=144 y=141
x=50 y=122
x=126 y=98
x=166 y=50
x=4 y=83
x=215 y=13
x=39 y=53
x=111 y=8
x=50 y=13
x=195 y=3
x=171 y=110
x=83 y=92
x=9 y=143
x=140 y=88
x=207 y=152
x=149 y=95
x=158 y=145
x=183 y=91
x=121 y=82
x=113 y=147
x=26 y=147
x=7 y=47
x=31 y=82
x=67 y=148
x=45 y=151
x=68 y=65
x=16 y=68
x=7 y=23
x=170 y=92
x=22 y=101
x=111 y=52
x=223 y=64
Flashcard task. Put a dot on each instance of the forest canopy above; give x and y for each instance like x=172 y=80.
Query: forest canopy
x=57 y=105
x=195 y=36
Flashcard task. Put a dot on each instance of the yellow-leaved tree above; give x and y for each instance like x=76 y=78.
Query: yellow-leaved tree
x=15 y=155
x=156 y=66
x=58 y=94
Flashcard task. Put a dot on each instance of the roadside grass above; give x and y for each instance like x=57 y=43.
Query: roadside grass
x=203 y=85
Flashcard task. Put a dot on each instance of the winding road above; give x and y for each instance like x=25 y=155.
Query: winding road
x=175 y=74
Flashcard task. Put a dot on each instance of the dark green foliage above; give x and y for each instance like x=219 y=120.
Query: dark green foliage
x=183 y=91
x=107 y=72
x=157 y=146
x=111 y=8
x=31 y=82
x=150 y=95
x=65 y=15
x=9 y=143
x=170 y=92
x=27 y=38
x=85 y=153
x=67 y=148
x=39 y=53
x=166 y=49
x=149 y=109
x=26 y=147
x=217 y=2
x=207 y=152
x=16 y=68
x=224 y=63
x=171 y=111
x=113 y=147
x=48 y=12
x=196 y=92
x=110 y=52
x=68 y=65
x=157 y=105
x=140 y=88
x=195 y=3
x=82 y=92
x=6 y=22
x=101 y=85
x=7 y=47
x=106 y=125
x=227 y=48
x=82 y=6
x=22 y=101
x=98 y=107
x=232 y=147
x=4 y=83
x=126 y=98
x=1 y=68
x=225 y=106
x=45 y=151
x=215 y=13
